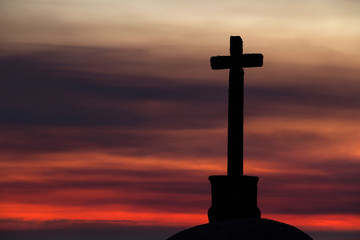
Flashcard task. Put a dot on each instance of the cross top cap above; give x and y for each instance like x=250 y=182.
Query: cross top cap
x=236 y=46
x=236 y=59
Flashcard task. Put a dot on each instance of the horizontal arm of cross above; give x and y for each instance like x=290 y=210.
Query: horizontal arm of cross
x=243 y=61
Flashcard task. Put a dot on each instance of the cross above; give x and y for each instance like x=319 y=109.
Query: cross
x=236 y=62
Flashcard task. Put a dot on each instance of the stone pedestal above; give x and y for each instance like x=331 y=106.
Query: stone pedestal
x=233 y=198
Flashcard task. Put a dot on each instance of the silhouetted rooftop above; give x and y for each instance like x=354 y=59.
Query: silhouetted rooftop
x=242 y=229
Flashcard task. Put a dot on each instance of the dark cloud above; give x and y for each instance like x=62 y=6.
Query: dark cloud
x=331 y=189
x=59 y=87
x=84 y=229
x=46 y=95
x=155 y=190
x=134 y=196
x=53 y=101
x=303 y=102
x=283 y=143
x=36 y=94
x=35 y=140
x=334 y=235
x=109 y=230
x=65 y=99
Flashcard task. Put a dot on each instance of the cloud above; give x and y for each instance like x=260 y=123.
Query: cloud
x=42 y=89
x=334 y=235
x=64 y=100
x=327 y=187
x=82 y=229
x=87 y=187
x=98 y=229
x=320 y=188
x=303 y=101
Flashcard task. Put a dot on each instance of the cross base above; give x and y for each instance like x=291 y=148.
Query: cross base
x=233 y=197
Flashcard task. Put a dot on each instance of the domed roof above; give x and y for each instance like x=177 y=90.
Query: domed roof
x=242 y=229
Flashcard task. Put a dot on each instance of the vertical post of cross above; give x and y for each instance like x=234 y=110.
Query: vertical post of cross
x=235 y=147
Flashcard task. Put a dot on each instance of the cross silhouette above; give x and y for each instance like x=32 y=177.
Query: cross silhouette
x=236 y=62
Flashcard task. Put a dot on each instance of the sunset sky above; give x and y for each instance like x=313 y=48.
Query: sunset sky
x=111 y=117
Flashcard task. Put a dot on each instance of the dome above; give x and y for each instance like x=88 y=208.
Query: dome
x=242 y=229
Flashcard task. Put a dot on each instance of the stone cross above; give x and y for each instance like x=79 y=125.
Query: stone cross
x=236 y=62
